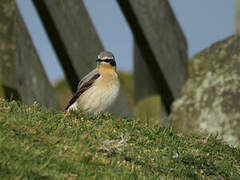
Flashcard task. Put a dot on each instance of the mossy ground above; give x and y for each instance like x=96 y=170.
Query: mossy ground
x=38 y=144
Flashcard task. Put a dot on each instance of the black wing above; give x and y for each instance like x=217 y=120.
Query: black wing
x=82 y=89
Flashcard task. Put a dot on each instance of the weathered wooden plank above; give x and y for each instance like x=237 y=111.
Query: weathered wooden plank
x=237 y=17
x=22 y=74
x=60 y=22
x=161 y=42
x=75 y=40
x=8 y=49
x=1 y=88
x=144 y=84
x=33 y=84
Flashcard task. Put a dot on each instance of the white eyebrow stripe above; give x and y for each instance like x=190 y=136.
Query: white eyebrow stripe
x=105 y=58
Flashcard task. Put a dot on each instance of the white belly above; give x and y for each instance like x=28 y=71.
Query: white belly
x=98 y=97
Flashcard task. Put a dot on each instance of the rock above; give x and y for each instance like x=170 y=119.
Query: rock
x=210 y=100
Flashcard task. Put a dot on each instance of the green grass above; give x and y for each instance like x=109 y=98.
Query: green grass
x=38 y=144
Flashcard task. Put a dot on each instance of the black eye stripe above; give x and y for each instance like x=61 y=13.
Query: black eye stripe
x=110 y=61
x=106 y=60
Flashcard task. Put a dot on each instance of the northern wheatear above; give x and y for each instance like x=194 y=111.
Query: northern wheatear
x=99 y=88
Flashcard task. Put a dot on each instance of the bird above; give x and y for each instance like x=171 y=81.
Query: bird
x=98 y=89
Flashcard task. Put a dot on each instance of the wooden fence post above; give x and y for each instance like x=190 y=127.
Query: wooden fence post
x=22 y=74
x=75 y=40
x=237 y=17
x=144 y=84
x=161 y=42
x=8 y=49
x=1 y=88
x=32 y=81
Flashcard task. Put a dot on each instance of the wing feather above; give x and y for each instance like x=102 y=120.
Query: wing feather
x=87 y=77
x=83 y=85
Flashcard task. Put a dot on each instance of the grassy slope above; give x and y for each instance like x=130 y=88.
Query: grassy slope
x=36 y=143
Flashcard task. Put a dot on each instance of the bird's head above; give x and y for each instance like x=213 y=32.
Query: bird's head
x=106 y=60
